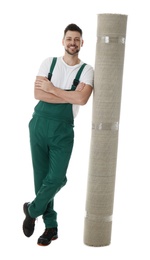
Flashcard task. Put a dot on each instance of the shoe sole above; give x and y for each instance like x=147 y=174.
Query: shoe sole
x=25 y=210
x=54 y=238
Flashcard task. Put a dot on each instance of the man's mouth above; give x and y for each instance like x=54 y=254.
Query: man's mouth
x=72 y=47
x=72 y=50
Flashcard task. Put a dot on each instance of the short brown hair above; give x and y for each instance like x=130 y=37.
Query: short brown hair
x=73 y=27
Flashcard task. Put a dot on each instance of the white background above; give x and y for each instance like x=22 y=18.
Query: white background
x=30 y=31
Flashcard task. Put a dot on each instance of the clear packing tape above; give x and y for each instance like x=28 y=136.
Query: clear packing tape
x=106 y=126
x=111 y=39
x=98 y=218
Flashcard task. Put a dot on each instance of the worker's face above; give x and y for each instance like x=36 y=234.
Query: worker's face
x=72 y=42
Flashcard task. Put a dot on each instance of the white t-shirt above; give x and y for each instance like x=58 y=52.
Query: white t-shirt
x=63 y=75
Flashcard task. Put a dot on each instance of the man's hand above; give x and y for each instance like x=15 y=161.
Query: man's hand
x=43 y=84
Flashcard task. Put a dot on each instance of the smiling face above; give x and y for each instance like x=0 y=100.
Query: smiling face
x=72 y=42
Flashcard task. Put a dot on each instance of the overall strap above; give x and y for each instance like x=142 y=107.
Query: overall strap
x=76 y=80
x=52 y=68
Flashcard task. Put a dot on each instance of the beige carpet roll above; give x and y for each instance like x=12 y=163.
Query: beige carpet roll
x=109 y=61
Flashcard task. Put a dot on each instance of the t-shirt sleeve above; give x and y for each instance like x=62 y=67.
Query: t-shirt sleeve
x=87 y=76
x=44 y=67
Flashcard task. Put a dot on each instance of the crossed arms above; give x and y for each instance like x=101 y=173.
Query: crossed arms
x=44 y=90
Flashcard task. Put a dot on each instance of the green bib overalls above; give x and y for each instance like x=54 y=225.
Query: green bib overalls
x=51 y=141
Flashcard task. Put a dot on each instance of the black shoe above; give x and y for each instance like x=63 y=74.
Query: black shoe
x=48 y=235
x=28 y=223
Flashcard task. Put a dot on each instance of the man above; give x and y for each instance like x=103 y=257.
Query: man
x=60 y=93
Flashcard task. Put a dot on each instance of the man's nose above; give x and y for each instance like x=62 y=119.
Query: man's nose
x=72 y=42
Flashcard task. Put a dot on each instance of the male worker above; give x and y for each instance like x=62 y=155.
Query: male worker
x=61 y=86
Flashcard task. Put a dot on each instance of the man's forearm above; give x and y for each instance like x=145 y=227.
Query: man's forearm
x=73 y=97
x=47 y=97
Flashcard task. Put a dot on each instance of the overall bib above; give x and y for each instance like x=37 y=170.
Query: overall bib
x=51 y=141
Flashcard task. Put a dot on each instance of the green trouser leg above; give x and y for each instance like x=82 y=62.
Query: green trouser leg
x=51 y=147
